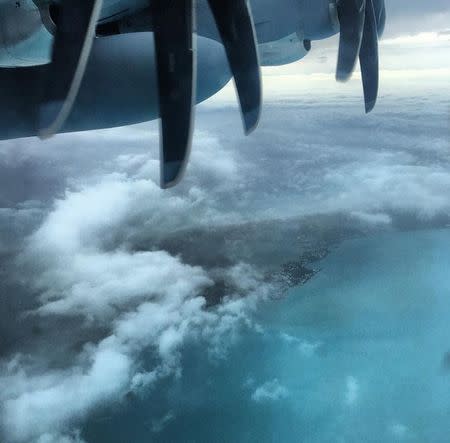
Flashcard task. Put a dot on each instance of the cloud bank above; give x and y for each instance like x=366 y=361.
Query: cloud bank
x=108 y=309
x=270 y=391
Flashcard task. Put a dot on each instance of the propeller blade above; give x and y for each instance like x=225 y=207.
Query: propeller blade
x=380 y=14
x=368 y=57
x=351 y=20
x=72 y=45
x=176 y=74
x=236 y=28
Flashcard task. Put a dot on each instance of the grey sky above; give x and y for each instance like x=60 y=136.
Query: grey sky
x=413 y=16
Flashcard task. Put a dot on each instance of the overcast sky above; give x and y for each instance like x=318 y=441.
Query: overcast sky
x=413 y=16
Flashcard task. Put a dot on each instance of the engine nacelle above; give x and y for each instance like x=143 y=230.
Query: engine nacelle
x=283 y=51
x=318 y=18
x=25 y=37
x=119 y=87
x=27 y=28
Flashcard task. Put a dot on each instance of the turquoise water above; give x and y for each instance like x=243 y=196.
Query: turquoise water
x=355 y=355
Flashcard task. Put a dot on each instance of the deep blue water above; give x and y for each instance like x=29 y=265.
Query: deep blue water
x=355 y=355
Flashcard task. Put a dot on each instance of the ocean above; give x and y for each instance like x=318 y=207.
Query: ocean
x=360 y=353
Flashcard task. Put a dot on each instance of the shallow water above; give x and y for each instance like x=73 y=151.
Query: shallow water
x=357 y=354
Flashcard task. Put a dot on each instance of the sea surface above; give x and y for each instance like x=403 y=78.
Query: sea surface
x=358 y=354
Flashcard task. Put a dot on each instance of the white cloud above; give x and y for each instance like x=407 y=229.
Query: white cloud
x=372 y=219
x=40 y=400
x=38 y=404
x=149 y=301
x=403 y=187
x=249 y=382
x=306 y=348
x=399 y=430
x=59 y=438
x=270 y=391
x=352 y=389
x=421 y=38
x=288 y=338
x=159 y=425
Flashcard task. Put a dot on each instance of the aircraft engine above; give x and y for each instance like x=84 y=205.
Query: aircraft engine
x=107 y=71
x=119 y=87
x=283 y=51
x=25 y=34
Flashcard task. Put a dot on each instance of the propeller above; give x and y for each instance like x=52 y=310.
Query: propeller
x=380 y=15
x=75 y=32
x=351 y=20
x=361 y=21
x=368 y=58
x=175 y=52
x=176 y=73
x=235 y=24
x=173 y=23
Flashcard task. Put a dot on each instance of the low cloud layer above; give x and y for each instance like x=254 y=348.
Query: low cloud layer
x=351 y=391
x=106 y=309
x=270 y=391
x=119 y=315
